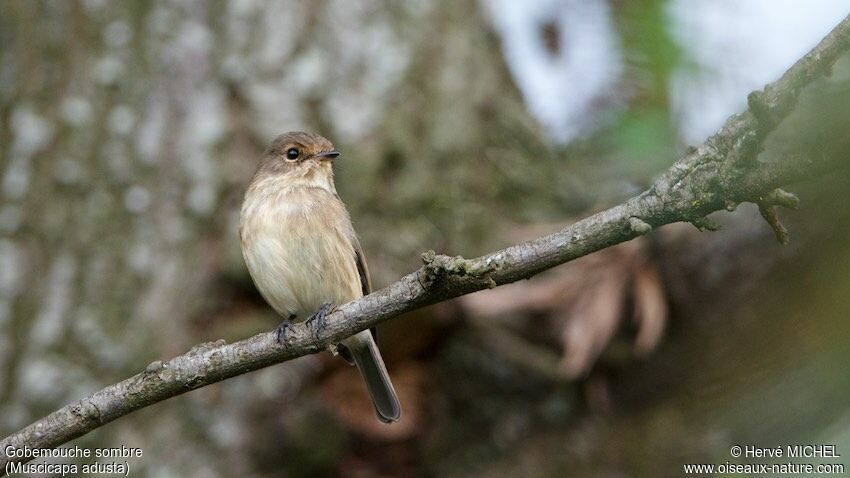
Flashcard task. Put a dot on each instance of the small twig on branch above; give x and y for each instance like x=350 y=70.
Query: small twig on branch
x=717 y=175
x=767 y=208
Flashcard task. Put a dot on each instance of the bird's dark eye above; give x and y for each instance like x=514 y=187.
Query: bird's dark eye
x=292 y=153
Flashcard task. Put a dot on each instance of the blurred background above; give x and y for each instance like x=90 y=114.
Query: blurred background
x=129 y=131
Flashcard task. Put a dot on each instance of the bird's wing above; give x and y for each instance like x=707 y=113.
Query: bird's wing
x=365 y=286
x=362 y=269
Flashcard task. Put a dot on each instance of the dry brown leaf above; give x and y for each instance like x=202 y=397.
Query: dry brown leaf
x=650 y=309
x=591 y=322
x=588 y=300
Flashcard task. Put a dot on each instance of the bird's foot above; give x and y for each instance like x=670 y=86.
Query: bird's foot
x=284 y=329
x=317 y=320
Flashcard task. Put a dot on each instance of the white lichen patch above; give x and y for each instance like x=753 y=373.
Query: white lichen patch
x=121 y=120
x=160 y=21
x=117 y=34
x=193 y=41
x=201 y=199
x=205 y=122
x=89 y=332
x=40 y=380
x=227 y=431
x=277 y=40
x=17 y=178
x=377 y=62
x=137 y=199
x=140 y=257
x=201 y=171
x=204 y=127
x=108 y=69
x=93 y=6
x=30 y=131
x=149 y=136
x=272 y=119
x=244 y=7
x=309 y=71
x=234 y=68
x=57 y=299
x=76 y=111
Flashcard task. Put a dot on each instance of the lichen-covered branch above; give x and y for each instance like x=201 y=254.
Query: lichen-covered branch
x=717 y=175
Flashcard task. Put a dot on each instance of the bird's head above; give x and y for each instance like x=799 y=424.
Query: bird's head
x=299 y=158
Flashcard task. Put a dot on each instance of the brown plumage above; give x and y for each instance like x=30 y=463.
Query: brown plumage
x=302 y=251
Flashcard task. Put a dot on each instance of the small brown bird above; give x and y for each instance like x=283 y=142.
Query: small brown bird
x=303 y=254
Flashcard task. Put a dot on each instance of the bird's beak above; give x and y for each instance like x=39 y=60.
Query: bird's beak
x=332 y=154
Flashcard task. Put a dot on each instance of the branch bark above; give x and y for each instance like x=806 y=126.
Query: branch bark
x=719 y=174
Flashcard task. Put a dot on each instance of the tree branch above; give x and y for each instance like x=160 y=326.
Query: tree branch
x=718 y=174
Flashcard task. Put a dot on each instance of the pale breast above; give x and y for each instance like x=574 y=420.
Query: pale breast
x=297 y=245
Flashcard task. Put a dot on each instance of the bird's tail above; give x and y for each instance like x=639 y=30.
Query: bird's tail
x=368 y=359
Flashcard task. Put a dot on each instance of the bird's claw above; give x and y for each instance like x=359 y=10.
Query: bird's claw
x=284 y=329
x=318 y=318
